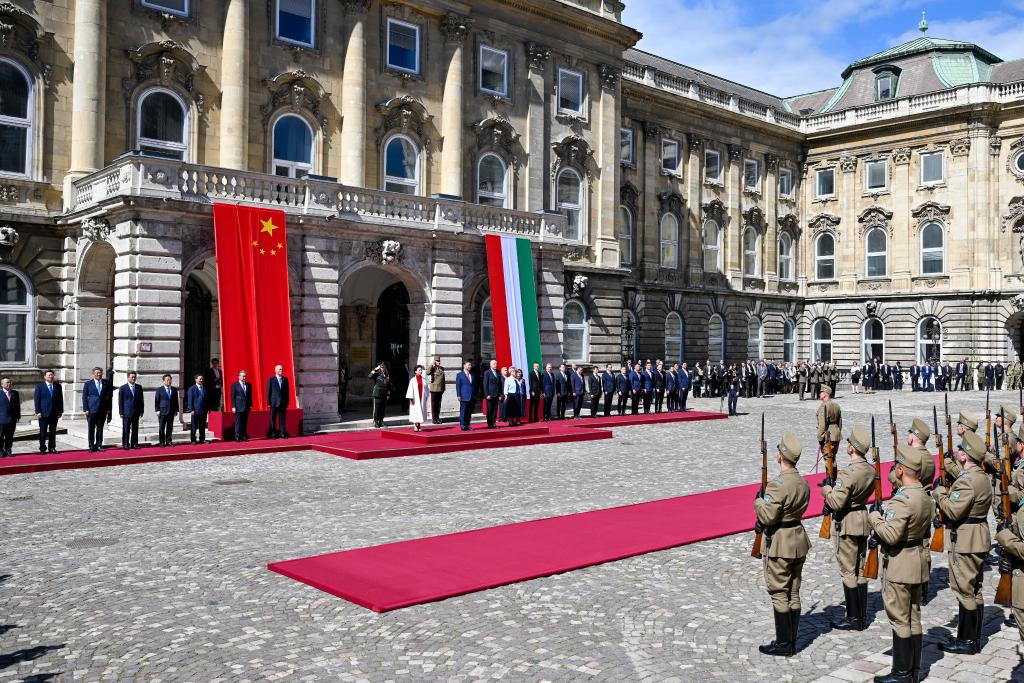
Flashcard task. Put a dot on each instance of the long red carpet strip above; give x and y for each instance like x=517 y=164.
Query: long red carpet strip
x=396 y=575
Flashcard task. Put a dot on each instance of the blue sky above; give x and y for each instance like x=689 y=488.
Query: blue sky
x=789 y=47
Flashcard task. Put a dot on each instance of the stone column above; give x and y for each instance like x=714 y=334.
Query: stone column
x=770 y=241
x=537 y=125
x=968 y=169
x=88 y=115
x=234 y=79
x=902 y=252
x=849 y=250
x=732 y=244
x=648 y=245
x=455 y=29
x=603 y=237
x=319 y=330
x=550 y=303
x=353 y=97
x=694 y=219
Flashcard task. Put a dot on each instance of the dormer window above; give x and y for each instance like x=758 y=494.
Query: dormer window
x=886 y=82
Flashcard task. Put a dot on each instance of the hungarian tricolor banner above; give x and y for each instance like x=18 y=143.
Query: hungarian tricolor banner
x=252 y=293
x=513 y=302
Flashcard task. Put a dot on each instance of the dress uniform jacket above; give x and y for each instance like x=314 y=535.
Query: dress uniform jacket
x=1012 y=540
x=846 y=499
x=780 y=510
x=830 y=421
x=927 y=468
x=904 y=527
x=1017 y=482
x=969 y=498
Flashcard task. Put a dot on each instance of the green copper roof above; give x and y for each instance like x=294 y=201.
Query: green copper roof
x=838 y=95
x=921 y=45
x=955 y=69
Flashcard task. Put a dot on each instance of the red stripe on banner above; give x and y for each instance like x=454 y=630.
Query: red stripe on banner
x=499 y=308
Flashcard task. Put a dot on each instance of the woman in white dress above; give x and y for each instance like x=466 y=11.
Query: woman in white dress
x=418 y=395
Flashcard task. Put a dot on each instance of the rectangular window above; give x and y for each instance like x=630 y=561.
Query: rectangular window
x=403 y=46
x=626 y=145
x=176 y=7
x=885 y=89
x=493 y=71
x=751 y=174
x=670 y=155
x=785 y=182
x=875 y=175
x=570 y=91
x=295 y=21
x=826 y=182
x=931 y=168
x=712 y=165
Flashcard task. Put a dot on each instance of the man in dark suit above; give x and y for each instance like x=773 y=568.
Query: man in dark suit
x=196 y=405
x=999 y=372
x=536 y=387
x=659 y=386
x=49 y=406
x=647 y=386
x=671 y=382
x=130 y=407
x=241 y=404
x=166 y=405
x=213 y=381
x=622 y=389
x=279 y=397
x=563 y=386
x=97 y=402
x=608 y=388
x=636 y=386
x=465 y=393
x=494 y=388
x=594 y=389
x=683 y=386
x=549 y=386
x=961 y=375
x=578 y=390
x=10 y=413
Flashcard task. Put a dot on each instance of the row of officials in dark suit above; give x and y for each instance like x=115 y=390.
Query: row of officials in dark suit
x=98 y=401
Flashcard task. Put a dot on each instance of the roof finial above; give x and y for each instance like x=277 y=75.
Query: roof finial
x=923 y=26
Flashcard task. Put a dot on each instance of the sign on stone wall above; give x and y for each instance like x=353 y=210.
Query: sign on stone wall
x=360 y=354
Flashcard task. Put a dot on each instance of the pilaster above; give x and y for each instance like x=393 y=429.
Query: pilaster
x=234 y=112
x=537 y=128
x=88 y=93
x=455 y=29
x=353 y=97
x=319 y=330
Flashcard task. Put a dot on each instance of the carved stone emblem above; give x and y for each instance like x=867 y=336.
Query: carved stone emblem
x=901 y=155
x=96 y=229
x=8 y=236
x=875 y=217
x=930 y=211
x=609 y=76
x=9 y=194
x=296 y=91
x=824 y=222
x=537 y=54
x=960 y=147
x=1018 y=302
x=455 y=27
x=385 y=251
x=848 y=164
x=579 y=285
x=871 y=307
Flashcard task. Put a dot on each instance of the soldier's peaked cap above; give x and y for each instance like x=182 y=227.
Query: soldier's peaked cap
x=1009 y=414
x=919 y=428
x=910 y=457
x=974 y=446
x=860 y=439
x=968 y=421
x=790 y=447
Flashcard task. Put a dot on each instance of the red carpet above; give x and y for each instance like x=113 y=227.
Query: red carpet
x=358 y=445
x=396 y=575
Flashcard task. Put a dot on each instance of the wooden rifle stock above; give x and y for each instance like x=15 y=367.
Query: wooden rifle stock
x=871 y=564
x=830 y=473
x=1004 y=592
x=939 y=537
x=755 y=551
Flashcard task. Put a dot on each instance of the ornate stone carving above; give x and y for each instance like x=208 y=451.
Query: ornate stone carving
x=871 y=307
x=20 y=32
x=572 y=150
x=960 y=147
x=456 y=27
x=168 y=63
x=671 y=202
x=385 y=251
x=1018 y=302
x=875 y=217
x=497 y=133
x=771 y=161
x=579 y=285
x=355 y=7
x=1016 y=150
x=736 y=152
x=901 y=155
x=848 y=164
x=9 y=194
x=609 y=76
x=995 y=146
x=754 y=217
x=790 y=223
x=824 y=222
x=296 y=91
x=96 y=229
x=8 y=236
x=538 y=55
x=629 y=196
x=931 y=211
x=651 y=129
x=695 y=142
x=405 y=114
x=1013 y=219
x=715 y=211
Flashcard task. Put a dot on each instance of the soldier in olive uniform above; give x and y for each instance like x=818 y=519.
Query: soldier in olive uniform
x=846 y=499
x=965 y=423
x=1011 y=537
x=1004 y=422
x=965 y=507
x=830 y=420
x=902 y=526
x=917 y=437
x=778 y=515
x=1017 y=475
x=380 y=389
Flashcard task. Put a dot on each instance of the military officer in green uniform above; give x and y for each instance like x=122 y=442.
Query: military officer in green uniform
x=846 y=499
x=964 y=423
x=1017 y=475
x=380 y=388
x=903 y=525
x=1011 y=538
x=917 y=437
x=965 y=507
x=830 y=420
x=778 y=515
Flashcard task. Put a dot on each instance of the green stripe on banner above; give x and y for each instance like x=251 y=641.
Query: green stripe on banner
x=528 y=290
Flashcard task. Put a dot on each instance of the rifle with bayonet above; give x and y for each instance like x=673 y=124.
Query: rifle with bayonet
x=830 y=479
x=892 y=430
x=949 y=442
x=1005 y=589
x=871 y=565
x=938 y=538
x=756 y=550
x=988 y=423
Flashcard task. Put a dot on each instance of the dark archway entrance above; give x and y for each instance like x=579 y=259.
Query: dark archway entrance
x=393 y=337
x=198 y=316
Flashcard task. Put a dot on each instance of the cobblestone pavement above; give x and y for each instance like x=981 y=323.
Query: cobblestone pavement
x=157 y=572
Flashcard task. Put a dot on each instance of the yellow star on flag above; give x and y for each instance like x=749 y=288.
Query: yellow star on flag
x=273 y=252
x=263 y=251
x=268 y=227
x=280 y=246
x=255 y=243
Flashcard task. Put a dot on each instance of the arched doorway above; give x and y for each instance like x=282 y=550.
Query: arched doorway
x=1015 y=337
x=201 y=333
x=393 y=337
x=94 y=339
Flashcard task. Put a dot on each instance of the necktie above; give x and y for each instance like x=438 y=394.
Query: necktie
x=131 y=388
x=168 y=392
x=243 y=389
x=7 y=391
x=50 y=387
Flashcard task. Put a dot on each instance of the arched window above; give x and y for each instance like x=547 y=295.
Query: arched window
x=789 y=342
x=293 y=147
x=401 y=165
x=16 y=318
x=491 y=184
x=875 y=254
x=673 y=338
x=486 y=331
x=750 y=244
x=755 y=339
x=825 y=257
x=570 y=201
x=625 y=236
x=712 y=247
x=630 y=335
x=929 y=340
x=574 y=331
x=821 y=341
x=933 y=249
x=669 y=241
x=162 y=124
x=15 y=119
x=716 y=337
x=874 y=340
x=785 y=256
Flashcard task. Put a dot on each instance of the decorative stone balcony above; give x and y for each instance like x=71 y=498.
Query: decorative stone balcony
x=143 y=176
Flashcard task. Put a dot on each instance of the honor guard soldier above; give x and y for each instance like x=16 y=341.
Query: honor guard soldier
x=903 y=526
x=964 y=423
x=1011 y=538
x=917 y=437
x=778 y=516
x=965 y=507
x=1004 y=424
x=846 y=499
x=1017 y=476
x=830 y=420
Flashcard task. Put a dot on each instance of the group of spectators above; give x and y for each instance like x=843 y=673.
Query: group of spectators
x=934 y=375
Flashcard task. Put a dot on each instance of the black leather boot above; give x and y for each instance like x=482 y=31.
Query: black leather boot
x=915 y=661
x=862 y=593
x=979 y=624
x=902 y=668
x=968 y=645
x=854 y=619
x=794 y=627
x=961 y=622
x=782 y=646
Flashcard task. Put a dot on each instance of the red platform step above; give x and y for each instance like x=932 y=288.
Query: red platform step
x=439 y=435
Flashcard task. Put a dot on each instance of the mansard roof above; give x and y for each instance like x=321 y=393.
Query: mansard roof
x=921 y=45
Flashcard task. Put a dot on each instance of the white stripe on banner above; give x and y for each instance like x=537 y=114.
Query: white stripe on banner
x=514 y=302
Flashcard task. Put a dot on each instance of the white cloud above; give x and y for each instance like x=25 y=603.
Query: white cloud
x=1001 y=33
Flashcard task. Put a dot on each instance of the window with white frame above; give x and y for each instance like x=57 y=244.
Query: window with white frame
x=493 y=71
x=876 y=253
x=751 y=174
x=933 y=251
x=670 y=157
x=293 y=146
x=178 y=8
x=401 y=165
x=929 y=340
x=162 y=124
x=755 y=338
x=712 y=164
x=786 y=182
x=788 y=342
x=825 y=257
x=295 y=21
x=885 y=86
x=750 y=248
x=785 y=256
x=403 y=46
x=873 y=340
x=932 y=170
x=1018 y=162
x=491 y=183
x=627 y=151
x=821 y=341
x=16 y=116
x=876 y=175
x=825 y=182
x=574 y=331
x=673 y=338
x=17 y=310
x=570 y=91
x=570 y=201
x=716 y=338
x=625 y=236
x=669 y=241
x=712 y=247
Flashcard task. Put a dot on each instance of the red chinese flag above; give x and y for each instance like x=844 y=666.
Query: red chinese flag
x=252 y=293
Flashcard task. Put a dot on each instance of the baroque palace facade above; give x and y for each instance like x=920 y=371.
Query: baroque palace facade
x=675 y=214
